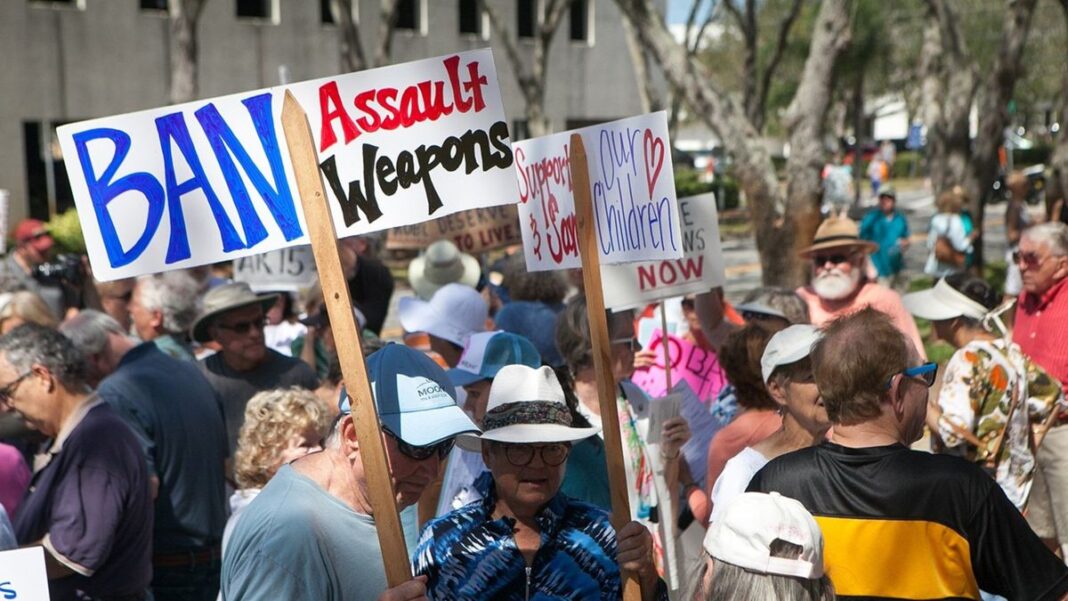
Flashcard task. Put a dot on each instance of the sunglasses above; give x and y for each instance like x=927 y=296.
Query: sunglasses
x=927 y=373
x=632 y=343
x=7 y=391
x=837 y=259
x=441 y=449
x=243 y=327
x=520 y=455
x=1030 y=260
x=754 y=316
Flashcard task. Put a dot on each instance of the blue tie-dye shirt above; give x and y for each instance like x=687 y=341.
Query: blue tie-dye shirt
x=469 y=555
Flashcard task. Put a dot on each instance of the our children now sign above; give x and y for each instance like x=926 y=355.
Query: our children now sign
x=211 y=180
x=632 y=188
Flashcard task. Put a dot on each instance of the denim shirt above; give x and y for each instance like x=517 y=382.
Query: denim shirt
x=469 y=555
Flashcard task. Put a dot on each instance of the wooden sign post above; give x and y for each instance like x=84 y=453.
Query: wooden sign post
x=350 y=352
x=602 y=349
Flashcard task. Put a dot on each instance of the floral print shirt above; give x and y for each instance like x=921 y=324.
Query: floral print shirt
x=977 y=393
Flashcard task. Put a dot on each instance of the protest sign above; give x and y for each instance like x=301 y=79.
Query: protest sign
x=632 y=187
x=282 y=270
x=699 y=269
x=690 y=363
x=703 y=426
x=211 y=180
x=475 y=231
x=22 y=575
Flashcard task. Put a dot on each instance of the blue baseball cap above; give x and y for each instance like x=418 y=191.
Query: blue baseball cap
x=487 y=352
x=415 y=400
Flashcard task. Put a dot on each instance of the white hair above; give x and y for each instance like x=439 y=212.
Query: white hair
x=1052 y=233
x=89 y=331
x=174 y=294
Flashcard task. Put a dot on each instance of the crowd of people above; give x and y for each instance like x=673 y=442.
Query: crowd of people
x=182 y=436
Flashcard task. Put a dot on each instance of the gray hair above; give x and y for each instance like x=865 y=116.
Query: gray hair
x=89 y=331
x=784 y=300
x=731 y=582
x=1051 y=233
x=174 y=294
x=31 y=344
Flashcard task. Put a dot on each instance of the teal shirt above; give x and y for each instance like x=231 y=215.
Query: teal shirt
x=586 y=478
x=885 y=231
x=174 y=348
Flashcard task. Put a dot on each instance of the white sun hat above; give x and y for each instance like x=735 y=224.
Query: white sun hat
x=788 y=346
x=942 y=302
x=526 y=406
x=752 y=521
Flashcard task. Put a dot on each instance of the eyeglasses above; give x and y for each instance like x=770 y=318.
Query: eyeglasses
x=520 y=455
x=927 y=373
x=837 y=259
x=755 y=316
x=442 y=448
x=7 y=391
x=243 y=327
x=632 y=343
x=1029 y=260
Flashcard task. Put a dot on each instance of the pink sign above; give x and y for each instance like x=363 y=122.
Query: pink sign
x=698 y=367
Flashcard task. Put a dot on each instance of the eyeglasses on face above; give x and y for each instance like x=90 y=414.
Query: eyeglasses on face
x=243 y=327
x=1028 y=260
x=520 y=455
x=755 y=316
x=835 y=259
x=7 y=391
x=927 y=373
x=632 y=343
x=410 y=451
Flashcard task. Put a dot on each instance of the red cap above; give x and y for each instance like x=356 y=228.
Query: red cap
x=35 y=232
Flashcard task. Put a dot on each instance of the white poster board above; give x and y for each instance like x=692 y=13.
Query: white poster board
x=22 y=575
x=632 y=186
x=700 y=268
x=211 y=180
x=286 y=269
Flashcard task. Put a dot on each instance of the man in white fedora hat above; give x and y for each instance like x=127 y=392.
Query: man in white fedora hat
x=234 y=317
x=442 y=264
x=840 y=285
x=523 y=534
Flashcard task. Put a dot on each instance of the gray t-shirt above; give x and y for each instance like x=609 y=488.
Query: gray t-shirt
x=235 y=388
x=297 y=542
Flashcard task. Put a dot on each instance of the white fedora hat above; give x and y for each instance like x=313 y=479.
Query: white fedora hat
x=526 y=406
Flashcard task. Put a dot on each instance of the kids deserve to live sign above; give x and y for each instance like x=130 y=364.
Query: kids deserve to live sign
x=211 y=180
x=632 y=186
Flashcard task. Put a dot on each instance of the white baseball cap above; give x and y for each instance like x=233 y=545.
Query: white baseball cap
x=752 y=521
x=787 y=346
x=942 y=302
x=454 y=313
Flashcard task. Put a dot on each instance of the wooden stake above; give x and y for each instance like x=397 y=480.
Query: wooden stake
x=346 y=334
x=602 y=349
x=667 y=347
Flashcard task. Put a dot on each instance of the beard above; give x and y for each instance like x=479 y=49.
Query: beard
x=836 y=285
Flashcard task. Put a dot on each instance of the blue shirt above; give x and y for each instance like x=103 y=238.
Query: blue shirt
x=885 y=231
x=175 y=413
x=469 y=555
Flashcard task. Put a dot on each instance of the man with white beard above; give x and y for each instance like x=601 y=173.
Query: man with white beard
x=840 y=285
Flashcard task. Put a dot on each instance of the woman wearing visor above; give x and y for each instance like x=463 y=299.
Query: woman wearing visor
x=993 y=397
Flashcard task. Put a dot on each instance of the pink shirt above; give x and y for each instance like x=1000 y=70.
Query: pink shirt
x=749 y=428
x=14 y=477
x=821 y=311
x=1041 y=329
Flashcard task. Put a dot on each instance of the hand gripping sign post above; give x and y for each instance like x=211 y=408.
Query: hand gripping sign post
x=349 y=348
x=602 y=348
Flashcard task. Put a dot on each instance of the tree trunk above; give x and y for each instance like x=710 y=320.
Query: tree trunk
x=1059 y=160
x=349 y=43
x=647 y=92
x=753 y=166
x=183 y=49
x=805 y=121
x=993 y=108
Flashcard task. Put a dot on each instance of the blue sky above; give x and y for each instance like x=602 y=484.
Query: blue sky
x=678 y=10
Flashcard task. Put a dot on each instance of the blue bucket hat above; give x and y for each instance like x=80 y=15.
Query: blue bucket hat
x=415 y=400
x=487 y=352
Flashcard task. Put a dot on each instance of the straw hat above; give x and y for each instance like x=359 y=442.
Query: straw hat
x=442 y=264
x=227 y=297
x=838 y=232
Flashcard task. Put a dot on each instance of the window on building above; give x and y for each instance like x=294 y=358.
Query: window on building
x=520 y=131
x=254 y=9
x=154 y=5
x=46 y=173
x=580 y=20
x=79 y=4
x=326 y=15
x=527 y=18
x=471 y=17
x=408 y=14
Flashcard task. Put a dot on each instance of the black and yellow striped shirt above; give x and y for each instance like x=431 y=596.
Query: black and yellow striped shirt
x=902 y=524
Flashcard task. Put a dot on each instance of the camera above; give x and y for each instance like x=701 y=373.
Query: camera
x=64 y=269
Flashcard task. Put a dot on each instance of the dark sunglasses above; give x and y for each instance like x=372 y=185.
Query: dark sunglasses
x=837 y=259
x=243 y=327
x=755 y=316
x=927 y=373
x=1028 y=259
x=441 y=449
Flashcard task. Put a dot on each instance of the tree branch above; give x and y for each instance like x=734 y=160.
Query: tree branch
x=386 y=26
x=351 y=44
x=780 y=49
x=511 y=49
